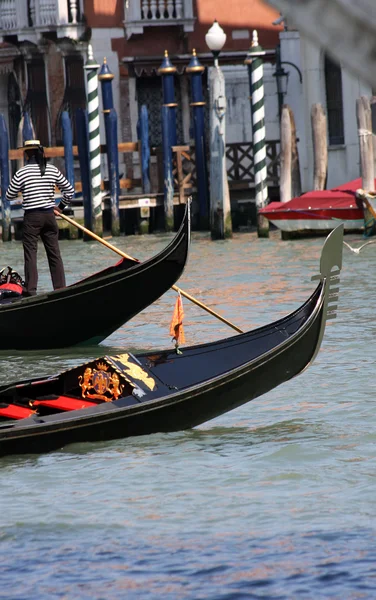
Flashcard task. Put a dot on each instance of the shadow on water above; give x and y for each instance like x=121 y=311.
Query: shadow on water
x=213 y=439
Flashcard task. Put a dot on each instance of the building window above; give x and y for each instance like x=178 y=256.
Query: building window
x=334 y=101
x=36 y=100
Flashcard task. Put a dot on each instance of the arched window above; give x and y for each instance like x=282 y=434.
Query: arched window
x=334 y=102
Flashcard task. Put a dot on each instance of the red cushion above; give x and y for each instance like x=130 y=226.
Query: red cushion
x=14 y=287
x=16 y=412
x=64 y=403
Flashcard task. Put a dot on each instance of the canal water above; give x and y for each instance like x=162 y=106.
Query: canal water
x=273 y=500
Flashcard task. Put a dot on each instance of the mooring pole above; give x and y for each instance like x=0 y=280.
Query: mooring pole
x=66 y=127
x=195 y=69
x=110 y=121
x=82 y=128
x=111 y=124
x=91 y=68
x=28 y=132
x=167 y=171
x=167 y=71
x=4 y=181
x=254 y=61
x=143 y=129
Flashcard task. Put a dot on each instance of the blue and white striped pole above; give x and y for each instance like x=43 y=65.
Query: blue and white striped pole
x=254 y=61
x=91 y=68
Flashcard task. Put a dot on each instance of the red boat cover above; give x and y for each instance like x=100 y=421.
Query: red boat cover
x=341 y=196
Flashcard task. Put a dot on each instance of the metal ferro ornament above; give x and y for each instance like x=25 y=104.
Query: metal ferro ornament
x=100 y=383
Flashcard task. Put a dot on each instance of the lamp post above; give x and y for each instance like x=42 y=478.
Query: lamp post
x=220 y=207
x=282 y=77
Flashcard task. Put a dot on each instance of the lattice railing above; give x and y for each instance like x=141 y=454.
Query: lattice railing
x=240 y=164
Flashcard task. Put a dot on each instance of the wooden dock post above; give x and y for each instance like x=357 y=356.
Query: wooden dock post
x=320 y=147
x=364 y=121
x=286 y=156
x=4 y=181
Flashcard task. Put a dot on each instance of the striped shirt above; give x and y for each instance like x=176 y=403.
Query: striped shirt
x=39 y=192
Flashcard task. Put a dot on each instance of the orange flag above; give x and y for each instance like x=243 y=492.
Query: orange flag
x=176 y=326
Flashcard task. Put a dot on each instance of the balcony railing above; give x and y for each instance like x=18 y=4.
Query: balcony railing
x=146 y=13
x=30 y=18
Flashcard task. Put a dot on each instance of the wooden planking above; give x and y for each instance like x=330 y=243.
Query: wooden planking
x=58 y=151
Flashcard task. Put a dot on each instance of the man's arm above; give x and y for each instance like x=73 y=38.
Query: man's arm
x=14 y=188
x=67 y=191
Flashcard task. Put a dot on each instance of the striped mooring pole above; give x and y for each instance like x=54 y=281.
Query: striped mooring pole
x=254 y=61
x=91 y=68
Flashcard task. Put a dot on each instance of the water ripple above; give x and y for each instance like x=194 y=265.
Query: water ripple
x=273 y=500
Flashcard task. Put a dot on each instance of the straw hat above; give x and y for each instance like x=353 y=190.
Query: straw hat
x=31 y=145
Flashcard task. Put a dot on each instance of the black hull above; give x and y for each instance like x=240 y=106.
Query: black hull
x=181 y=410
x=116 y=294
x=179 y=391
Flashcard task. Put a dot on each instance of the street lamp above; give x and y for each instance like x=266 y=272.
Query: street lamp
x=220 y=208
x=282 y=77
x=215 y=40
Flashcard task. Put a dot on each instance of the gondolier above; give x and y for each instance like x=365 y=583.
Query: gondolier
x=36 y=181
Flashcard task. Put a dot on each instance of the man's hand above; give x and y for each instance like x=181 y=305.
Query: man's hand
x=57 y=211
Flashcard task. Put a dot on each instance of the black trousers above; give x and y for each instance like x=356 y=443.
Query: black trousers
x=41 y=223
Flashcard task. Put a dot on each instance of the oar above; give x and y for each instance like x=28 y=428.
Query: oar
x=174 y=287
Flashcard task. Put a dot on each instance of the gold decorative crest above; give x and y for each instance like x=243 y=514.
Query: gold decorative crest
x=100 y=383
x=136 y=372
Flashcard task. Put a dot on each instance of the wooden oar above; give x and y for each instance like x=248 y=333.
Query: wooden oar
x=174 y=287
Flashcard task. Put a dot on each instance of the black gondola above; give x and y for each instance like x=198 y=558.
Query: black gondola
x=117 y=293
x=160 y=391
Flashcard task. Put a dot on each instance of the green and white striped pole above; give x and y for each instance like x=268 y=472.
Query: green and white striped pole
x=255 y=64
x=91 y=68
